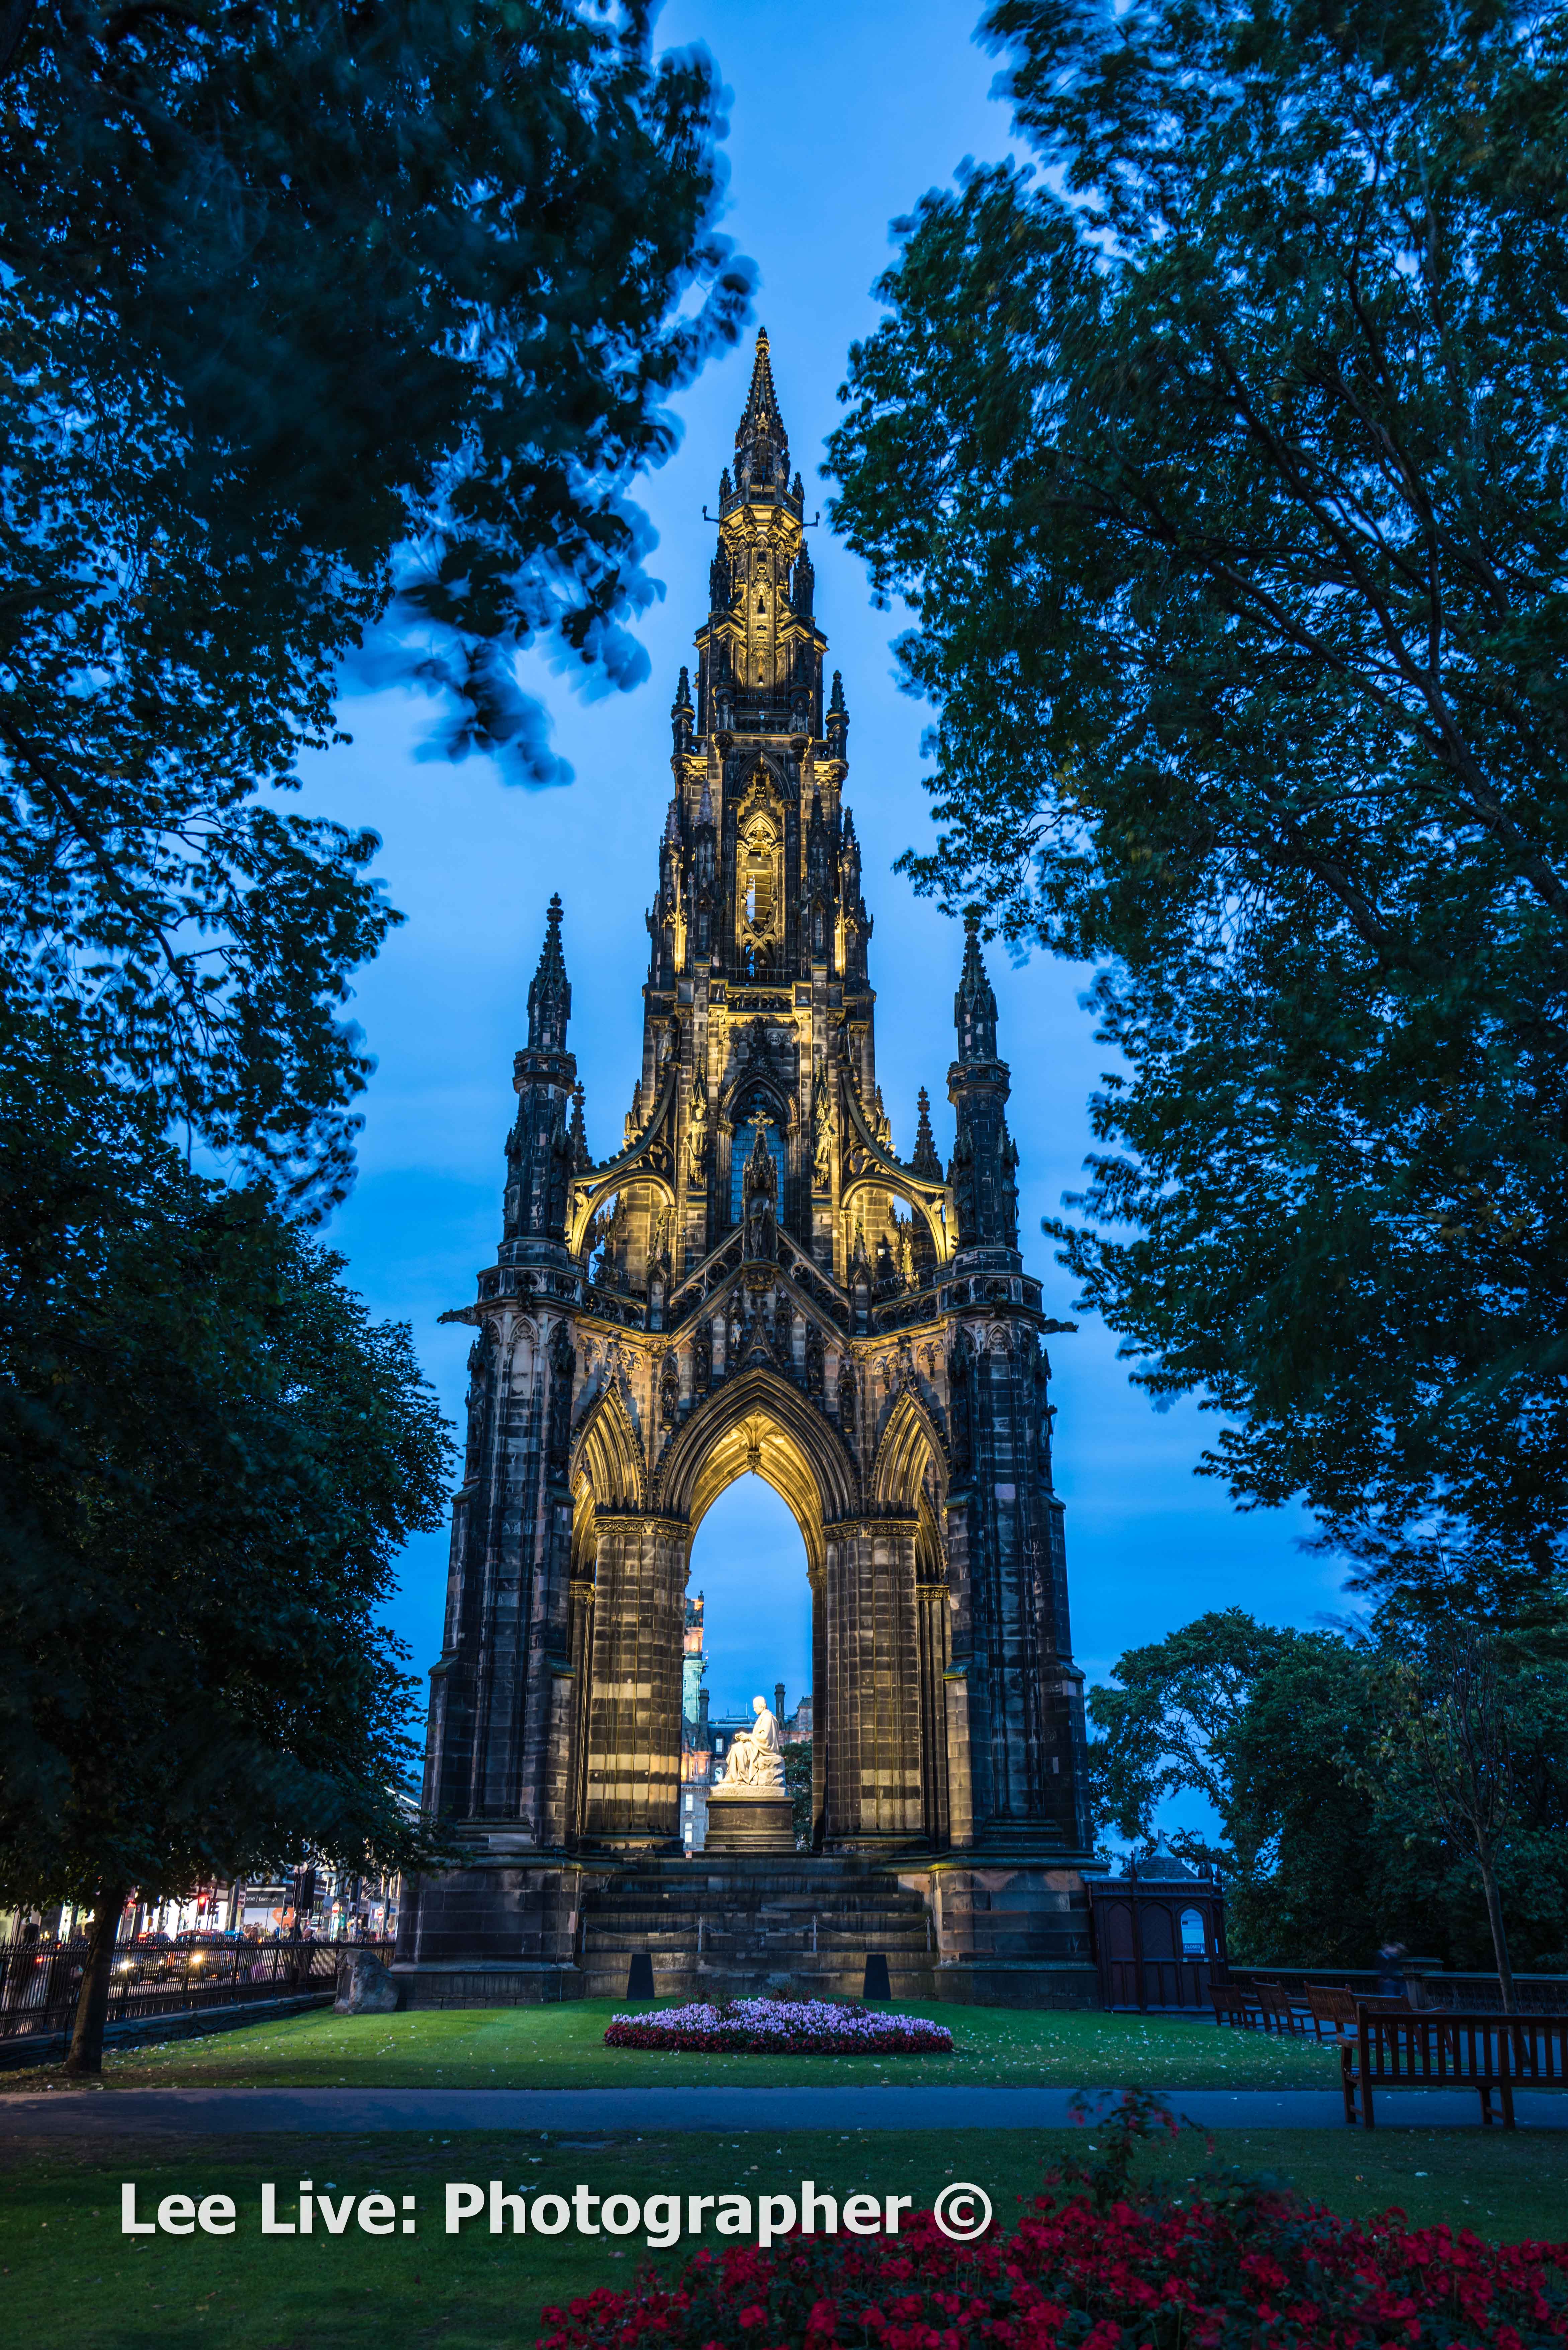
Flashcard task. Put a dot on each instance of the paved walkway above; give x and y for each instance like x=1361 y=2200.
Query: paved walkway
x=122 y=2112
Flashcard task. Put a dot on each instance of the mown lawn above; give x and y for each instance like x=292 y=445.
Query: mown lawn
x=72 y=2282
x=562 y=2047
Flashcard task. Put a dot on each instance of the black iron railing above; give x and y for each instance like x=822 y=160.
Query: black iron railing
x=40 y=1982
x=1466 y=1994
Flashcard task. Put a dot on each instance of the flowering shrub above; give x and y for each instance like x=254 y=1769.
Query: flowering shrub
x=1096 y=2265
x=781 y=2027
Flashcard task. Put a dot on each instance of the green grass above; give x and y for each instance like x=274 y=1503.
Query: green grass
x=70 y=2278
x=563 y=2048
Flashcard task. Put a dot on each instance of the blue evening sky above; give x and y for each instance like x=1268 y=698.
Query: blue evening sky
x=841 y=117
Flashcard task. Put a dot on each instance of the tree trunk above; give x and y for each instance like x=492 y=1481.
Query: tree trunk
x=1499 y=1938
x=86 y=2054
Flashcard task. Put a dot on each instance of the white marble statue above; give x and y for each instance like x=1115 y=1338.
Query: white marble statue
x=756 y=1758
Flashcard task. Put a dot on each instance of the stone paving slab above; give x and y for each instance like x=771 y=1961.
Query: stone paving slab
x=137 y=2113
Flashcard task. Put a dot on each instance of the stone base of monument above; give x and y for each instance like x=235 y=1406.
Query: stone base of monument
x=749 y=1819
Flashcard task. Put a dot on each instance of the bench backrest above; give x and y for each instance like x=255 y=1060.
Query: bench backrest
x=1434 y=2045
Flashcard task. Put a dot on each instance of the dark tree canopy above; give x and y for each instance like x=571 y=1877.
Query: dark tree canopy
x=209 y=1462
x=317 y=325
x=1322 y=1821
x=1223 y=468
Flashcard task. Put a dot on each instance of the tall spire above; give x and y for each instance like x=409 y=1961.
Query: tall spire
x=974 y=1005
x=836 y=722
x=925 y=1160
x=762 y=444
x=550 y=992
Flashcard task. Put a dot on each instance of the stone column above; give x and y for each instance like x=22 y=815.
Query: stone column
x=633 y=1794
x=960 y=1786
x=873 y=1688
x=583 y=1592
x=932 y=1613
x=820 y=1717
x=542 y=1736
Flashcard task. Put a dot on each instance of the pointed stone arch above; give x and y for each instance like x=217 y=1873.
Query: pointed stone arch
x=910 y=1442
x=757 y=1421
x=607 y=1455
x=758 y=1077
x=765 y=771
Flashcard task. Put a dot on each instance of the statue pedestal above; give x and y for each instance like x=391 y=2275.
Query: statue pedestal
x=749 y=1819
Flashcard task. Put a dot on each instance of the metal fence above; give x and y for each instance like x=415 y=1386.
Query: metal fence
x=40 y=1982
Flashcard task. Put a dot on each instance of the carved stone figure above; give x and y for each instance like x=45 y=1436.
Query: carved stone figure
x=760 y=1216
x=697 y=1138
x=702 y=1360
x=479 y=1355
x=814 y=1365
x=669 y=1392
x=821 y=1132
x=562 y=1370
x=846 y=1396
x=756 y=1758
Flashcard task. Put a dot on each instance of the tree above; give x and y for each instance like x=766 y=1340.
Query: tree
x=1342 y=1870
x=208 y=1459
x=326 y=334
x=1170 y=1724
x=1312 y=1749
x=1221 y=463
x=1459 y=1727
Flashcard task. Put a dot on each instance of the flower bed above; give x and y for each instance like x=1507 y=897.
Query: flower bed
x=781 y=2027
x=1097 y=2264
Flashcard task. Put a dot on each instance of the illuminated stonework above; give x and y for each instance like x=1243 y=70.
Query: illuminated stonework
x=755 y=1281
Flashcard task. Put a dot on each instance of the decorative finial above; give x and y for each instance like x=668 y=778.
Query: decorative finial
x=925 y=1160
x=762 y=444
x=550 y=993
x=974 y=1005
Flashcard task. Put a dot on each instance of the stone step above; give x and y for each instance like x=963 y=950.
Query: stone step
x=631 y=1921
x=875 y=1891
x=837 y=1983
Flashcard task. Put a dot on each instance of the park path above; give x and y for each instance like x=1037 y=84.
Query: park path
x=120 y=2114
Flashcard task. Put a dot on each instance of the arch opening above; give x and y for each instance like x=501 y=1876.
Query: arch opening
x=747 y=1562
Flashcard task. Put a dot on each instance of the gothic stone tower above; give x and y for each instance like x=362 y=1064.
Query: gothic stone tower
x=757 y=1281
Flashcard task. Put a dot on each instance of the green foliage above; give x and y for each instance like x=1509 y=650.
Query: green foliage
x=1329 y=1838
x=1169 y=1726
x=326 y=335
x=208 y=1459
x=798 y=1786
x=1222 y=465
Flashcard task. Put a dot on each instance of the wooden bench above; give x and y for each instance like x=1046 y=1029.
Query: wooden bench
x=1332 y=2010
x=1435 y=2049
x=1238 y=2004
x=1336 y=2008
x=1283 y=2011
